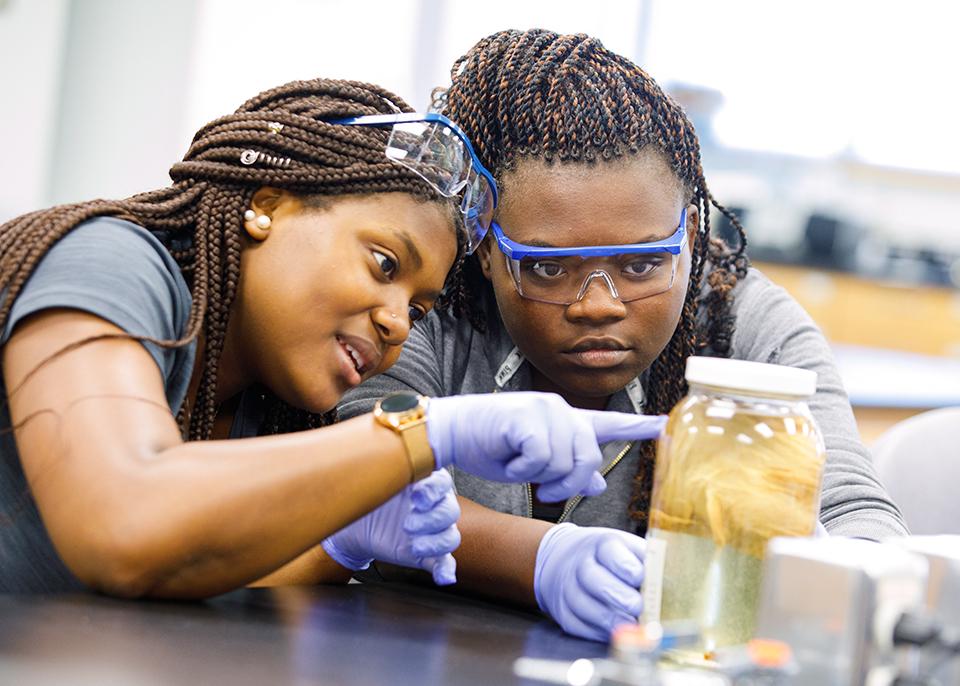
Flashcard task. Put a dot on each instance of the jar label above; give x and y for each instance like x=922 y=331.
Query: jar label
x=653 y=579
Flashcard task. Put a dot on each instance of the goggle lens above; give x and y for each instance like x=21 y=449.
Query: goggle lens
x=432 y=147
x=434 y=152
x=564 y=280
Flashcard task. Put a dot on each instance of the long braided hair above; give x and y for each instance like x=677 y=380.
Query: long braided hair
x=279 y=138
x=566 y=99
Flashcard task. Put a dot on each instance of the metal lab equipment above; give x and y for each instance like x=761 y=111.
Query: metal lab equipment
x=942 y=554
x=634 y=652
x=835 y=602
x=635 y=660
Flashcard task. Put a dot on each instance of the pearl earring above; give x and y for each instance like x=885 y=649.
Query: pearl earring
x=262 y=221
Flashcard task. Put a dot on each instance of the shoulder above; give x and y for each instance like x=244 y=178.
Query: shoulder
x=452 y=335
x=120 y=272
x=119 y=244
x=767 y=317
x=758 y=291
x=112 y=265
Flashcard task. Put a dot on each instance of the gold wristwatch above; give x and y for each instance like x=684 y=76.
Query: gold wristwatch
x=406 y=414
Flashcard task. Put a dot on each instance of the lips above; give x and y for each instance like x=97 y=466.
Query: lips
x=361 y=353
x=598 y=353
x=599 y=343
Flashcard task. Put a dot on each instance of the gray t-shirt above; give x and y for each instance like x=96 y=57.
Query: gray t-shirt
x=120 y=272
x=446 y=356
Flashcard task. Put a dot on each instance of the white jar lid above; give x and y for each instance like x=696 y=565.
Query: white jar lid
x=751 y=377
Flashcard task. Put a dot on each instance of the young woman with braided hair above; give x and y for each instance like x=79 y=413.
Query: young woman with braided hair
x=301 y=238
x=600 y=179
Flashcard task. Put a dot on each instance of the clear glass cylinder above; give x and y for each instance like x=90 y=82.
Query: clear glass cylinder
x=735 y=467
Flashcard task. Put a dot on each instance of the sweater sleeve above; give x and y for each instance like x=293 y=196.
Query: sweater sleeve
x=418 y=369
x=772 y=327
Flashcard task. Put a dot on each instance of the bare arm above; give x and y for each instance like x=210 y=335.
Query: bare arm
x=498 y=553
x=133 y=510
x=313 y=567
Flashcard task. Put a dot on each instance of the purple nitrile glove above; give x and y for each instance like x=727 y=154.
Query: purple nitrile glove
x=416 y=528
x=530 y=436
x=588 y=578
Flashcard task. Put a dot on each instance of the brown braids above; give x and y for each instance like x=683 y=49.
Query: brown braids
x=567 y=99
x=279 y=138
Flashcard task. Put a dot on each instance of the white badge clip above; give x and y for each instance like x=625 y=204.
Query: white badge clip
x=509 y=367
x=635 y=393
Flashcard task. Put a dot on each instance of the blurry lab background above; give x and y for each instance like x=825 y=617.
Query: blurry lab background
x=830 y=127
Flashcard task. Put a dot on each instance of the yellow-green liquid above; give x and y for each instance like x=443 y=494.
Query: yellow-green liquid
x=715 y=586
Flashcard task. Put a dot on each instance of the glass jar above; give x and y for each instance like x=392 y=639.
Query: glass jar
x=740 y=462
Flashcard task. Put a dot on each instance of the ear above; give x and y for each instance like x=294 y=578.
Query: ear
x=263 y=204
x=693 y=226
x=484 y=256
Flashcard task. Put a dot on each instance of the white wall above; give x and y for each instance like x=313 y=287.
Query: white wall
x=407 y=46
x=123 y=94
x=31 y=46
x=247 y=46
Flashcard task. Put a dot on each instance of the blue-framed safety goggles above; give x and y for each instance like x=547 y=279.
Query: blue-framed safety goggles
x=435 y=148
x=563 y=275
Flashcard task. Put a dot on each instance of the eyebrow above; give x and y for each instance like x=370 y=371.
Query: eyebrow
x=649 y=238
x=415 y=257
x=411 y=248
x=652 y=237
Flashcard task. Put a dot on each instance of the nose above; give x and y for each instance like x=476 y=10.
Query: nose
x=598 y=300
x=392 y=322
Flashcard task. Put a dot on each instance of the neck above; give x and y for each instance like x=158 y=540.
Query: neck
x=541 y=383
x=232 y=376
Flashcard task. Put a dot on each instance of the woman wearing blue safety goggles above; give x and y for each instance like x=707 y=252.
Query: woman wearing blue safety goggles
x=599 y=278
x=286 y=264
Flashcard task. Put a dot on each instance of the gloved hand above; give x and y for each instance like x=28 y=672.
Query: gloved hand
x=416 y=528
x=588 y=578
x=529 y=436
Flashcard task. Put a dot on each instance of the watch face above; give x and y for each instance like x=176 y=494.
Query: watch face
x=399 y=402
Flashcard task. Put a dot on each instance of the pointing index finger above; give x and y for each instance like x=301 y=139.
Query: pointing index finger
x=614 y=426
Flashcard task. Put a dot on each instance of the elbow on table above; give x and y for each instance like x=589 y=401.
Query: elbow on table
x=121 y=559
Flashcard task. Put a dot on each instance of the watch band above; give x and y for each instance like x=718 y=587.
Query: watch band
x=405 y=414
x=417 y=445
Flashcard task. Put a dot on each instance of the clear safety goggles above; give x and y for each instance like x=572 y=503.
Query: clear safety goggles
x=433 y=147
x=563 y=275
